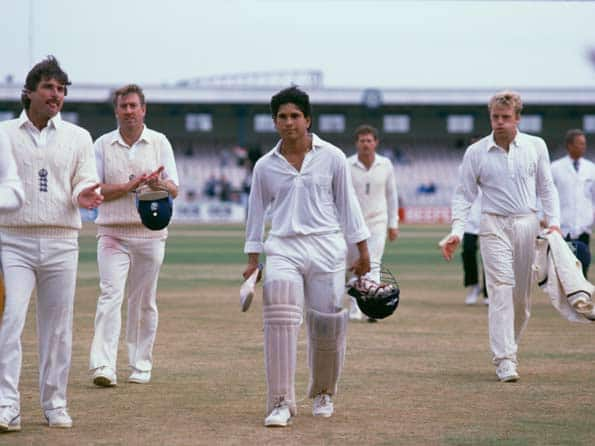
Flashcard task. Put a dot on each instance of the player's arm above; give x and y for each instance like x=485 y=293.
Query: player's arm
x=166 y=177
x=392 y=204
x=465 y=194
x=84 y=181
x=546 y=189
x=257 y=204
x=362 y=264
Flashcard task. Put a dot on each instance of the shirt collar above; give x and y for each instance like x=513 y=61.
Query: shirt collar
x=53 y=123
x=117 y=137
x=516 y=142
x=356 y=161
x=317 y=144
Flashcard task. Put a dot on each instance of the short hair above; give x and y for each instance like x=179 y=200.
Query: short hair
x=365 y=129
x=48 y=68
x=291 y=95
x=507 y=98
x=571 y=134
x=125 y=91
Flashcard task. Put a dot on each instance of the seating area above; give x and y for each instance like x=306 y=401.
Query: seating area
x=427 y=178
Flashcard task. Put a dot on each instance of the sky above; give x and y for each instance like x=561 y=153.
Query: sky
x=355 y=43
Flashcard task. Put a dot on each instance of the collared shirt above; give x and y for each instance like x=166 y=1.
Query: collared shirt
x=42 y=137
x=510 y=181
x=318 y=199
x=170 y=171
x=472 y=225
x=575 y=189
x=376 y=190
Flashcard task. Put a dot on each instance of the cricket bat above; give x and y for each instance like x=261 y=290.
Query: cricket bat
x=247 y=289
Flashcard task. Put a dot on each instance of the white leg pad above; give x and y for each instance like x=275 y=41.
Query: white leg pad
x=282 y=307
x=327 y=340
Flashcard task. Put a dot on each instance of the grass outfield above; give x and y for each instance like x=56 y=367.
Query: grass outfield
x=420 y=377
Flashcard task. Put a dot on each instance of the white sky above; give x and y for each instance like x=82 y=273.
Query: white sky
x=384 y=43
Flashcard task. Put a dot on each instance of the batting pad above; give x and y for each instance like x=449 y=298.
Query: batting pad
x=327 y=340
x=282 y=307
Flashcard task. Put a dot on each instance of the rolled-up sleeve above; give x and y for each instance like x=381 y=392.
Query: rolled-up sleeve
x=349 y=212
x=257 y=205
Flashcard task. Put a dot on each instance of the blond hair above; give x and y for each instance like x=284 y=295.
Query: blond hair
x=507 y=98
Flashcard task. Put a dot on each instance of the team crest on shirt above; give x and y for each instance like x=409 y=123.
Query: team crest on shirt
x=43 y=180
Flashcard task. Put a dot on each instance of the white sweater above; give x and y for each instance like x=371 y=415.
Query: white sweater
x=119 y=217
x=53 y=176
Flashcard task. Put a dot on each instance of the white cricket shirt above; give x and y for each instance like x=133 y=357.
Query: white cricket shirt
x=319 y=199
x=575 y=189
x=376 y=191
x=510 y=181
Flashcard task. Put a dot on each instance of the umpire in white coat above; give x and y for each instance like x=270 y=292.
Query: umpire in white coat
x=513 y=170
x=574 y=177
x=128 y=253
x=305 y=183
x=39 y=242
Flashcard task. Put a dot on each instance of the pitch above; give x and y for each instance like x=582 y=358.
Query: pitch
x=421 y=376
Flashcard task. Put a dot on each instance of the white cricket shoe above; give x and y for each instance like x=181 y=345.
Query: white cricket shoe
x=323 y=405
x=486 y=301
x=104 y=377
x=280 y=416
x=10 y=419
x=58 y=418
x=507 y=372
x=355 y=314
x=140 y=377
x=472 y=295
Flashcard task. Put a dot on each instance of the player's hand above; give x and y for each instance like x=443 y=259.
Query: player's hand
x=449 y=245
x=136 y=182
x=393 y=233
x=89 y=198
x=250 y=269
x=153 y=180
x=555 y=229
x=361 y=266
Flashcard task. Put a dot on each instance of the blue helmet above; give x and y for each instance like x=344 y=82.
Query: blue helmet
x=155 y=208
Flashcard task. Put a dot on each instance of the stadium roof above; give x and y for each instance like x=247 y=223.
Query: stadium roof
x=333 y=96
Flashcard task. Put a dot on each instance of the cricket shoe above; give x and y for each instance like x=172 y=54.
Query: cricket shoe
x=280 y=416
x=10 y=419
x=322 y=406
x=58 y=418
x=140 y=377
x=472 y=295
x=104 y=377
x=507 y=372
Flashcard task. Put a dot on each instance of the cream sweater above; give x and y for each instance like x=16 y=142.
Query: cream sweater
x=119 y=218
x=53 y=177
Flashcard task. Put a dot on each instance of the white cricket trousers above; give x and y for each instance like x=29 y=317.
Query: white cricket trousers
x=50 y=266
x=316 y=262
x=507 y=249
x=133 y=263
x=376 y=244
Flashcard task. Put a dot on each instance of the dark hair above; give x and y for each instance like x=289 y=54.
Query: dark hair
x=48 y=68
x=571 y=134
x=126 y=90
x=365 y=129
x=291 y=95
